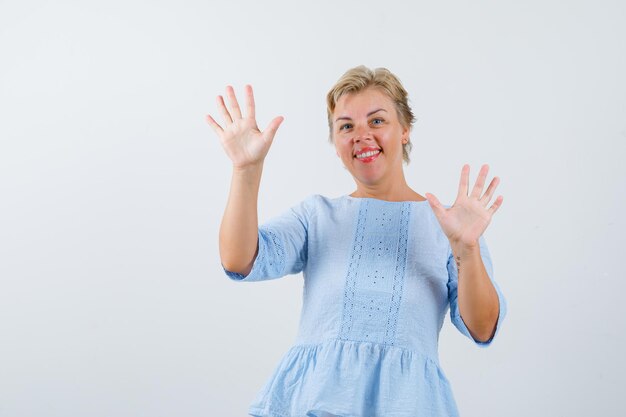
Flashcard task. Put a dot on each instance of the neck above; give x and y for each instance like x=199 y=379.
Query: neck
x=398 y=190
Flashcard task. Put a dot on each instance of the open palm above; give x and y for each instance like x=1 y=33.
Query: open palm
x=241 y=139
x=466 y=220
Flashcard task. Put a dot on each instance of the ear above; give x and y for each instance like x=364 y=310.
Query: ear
x=405 y=134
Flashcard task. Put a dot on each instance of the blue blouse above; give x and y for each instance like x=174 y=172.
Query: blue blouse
x=379 y=277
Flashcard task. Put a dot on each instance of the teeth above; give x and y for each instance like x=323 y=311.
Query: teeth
x=367 y=154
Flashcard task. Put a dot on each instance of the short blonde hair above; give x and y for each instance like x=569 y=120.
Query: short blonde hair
x=358 y=79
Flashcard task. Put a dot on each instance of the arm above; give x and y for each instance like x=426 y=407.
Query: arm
x=247 y=147
x=476 y=305
x=238 y=231
x=477 y=297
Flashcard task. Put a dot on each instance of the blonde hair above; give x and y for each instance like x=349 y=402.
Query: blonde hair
x=358 y=79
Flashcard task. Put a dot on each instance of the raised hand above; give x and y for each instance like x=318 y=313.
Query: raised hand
x=241 y=139
x=467 y=219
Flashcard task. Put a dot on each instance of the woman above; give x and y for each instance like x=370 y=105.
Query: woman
x=381 y=266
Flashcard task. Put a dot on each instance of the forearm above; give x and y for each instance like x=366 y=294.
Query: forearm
x=239 y=227
x=477 y=297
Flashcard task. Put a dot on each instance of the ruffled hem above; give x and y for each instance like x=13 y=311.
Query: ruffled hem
x=256 y=412
x=344 y=378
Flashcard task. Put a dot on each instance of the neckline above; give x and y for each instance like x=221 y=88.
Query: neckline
x=385 y=201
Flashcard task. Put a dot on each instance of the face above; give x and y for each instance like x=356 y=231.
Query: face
x=368 y=136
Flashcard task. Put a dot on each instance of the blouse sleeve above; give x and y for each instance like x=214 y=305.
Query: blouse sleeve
x=455 y=315
x=282 y=246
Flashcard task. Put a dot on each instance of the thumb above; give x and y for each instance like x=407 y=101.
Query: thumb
x=272 y=127
x=437 y=207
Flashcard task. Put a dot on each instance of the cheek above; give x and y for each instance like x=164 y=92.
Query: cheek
x=342 y=148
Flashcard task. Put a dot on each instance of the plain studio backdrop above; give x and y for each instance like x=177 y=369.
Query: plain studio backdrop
x=112 y=188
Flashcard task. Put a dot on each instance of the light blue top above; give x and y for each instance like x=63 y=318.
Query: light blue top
x=378 y=279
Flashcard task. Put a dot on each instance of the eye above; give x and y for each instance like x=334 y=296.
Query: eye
x=377 y=121
x=345 y=126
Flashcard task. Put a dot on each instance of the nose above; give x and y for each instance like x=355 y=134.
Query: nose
x=362 y=133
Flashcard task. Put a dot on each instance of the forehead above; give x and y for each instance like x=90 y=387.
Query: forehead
x=355 y=104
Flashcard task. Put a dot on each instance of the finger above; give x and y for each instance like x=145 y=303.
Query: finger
x=225 y=114
x=464 y=182
x=235 y=111
x=272 y=127
x=250 y=100
x=490 y=190
x=480 y=182
x=218 y=129
x=496 y=205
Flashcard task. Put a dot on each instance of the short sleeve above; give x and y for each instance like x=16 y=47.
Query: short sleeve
x=282 y=245
x=455 y=315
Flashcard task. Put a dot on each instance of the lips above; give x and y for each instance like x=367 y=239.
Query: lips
x=367 y=156
x=366 y=150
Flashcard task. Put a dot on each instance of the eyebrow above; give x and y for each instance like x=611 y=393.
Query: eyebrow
x=368 y=115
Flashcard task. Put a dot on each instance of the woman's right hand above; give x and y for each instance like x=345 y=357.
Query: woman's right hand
x=244 y=143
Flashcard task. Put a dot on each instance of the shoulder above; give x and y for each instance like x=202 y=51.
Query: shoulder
x=309 y=207
x=321 y=206
x=318 y=201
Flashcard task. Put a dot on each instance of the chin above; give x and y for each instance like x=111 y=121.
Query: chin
x=367 y=180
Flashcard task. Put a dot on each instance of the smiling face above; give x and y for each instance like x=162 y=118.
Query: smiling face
x=368 y=137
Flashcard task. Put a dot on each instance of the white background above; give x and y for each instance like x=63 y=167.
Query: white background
x=112 y=188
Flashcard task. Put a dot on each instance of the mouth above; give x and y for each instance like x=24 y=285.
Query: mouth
x=368 y=154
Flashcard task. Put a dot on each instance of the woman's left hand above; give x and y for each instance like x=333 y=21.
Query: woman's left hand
x=467 y=219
